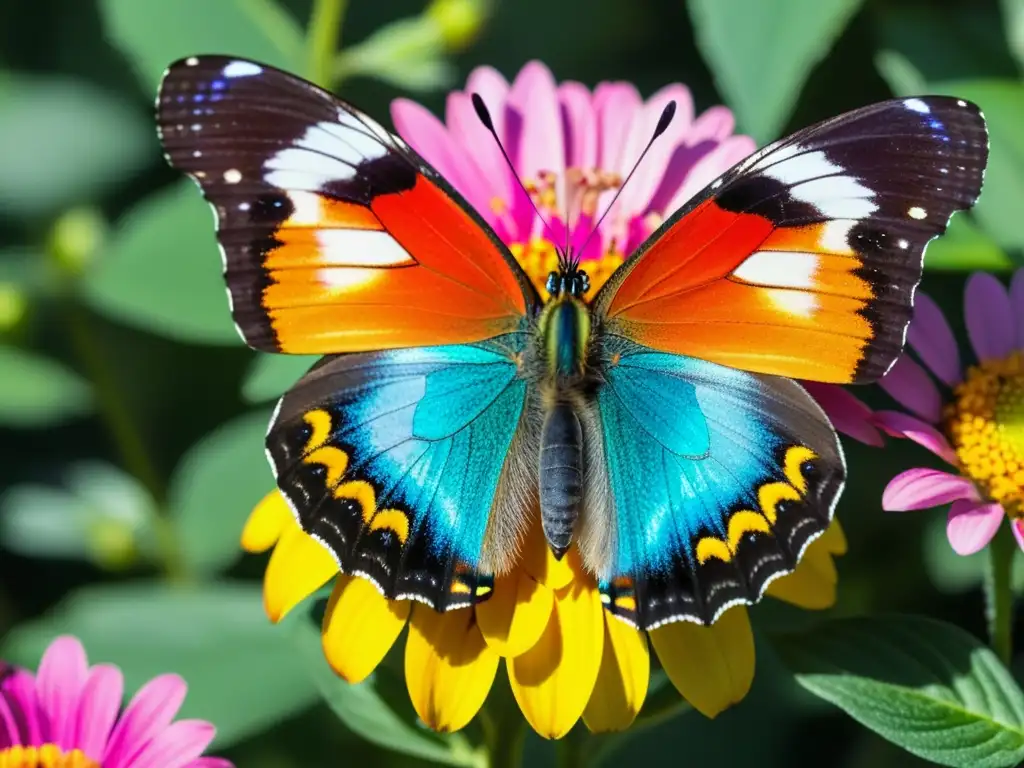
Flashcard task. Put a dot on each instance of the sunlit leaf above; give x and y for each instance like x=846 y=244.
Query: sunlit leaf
x=215 y=488
x=927 y=686
x=966 y=247
x=271 y=375
x=243 y=673
x=37 y=392
x=161 y=270
x=762 y=53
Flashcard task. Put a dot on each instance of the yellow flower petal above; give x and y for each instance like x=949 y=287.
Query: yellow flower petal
x=622 y=680
x=266 y=523
x=360 y=626
x=299 y=566
x=813 y=584
x=540 y=562
x=449 y=668
x=712 y=667
x=513 y=618
x=833 y=539
x=553 y=680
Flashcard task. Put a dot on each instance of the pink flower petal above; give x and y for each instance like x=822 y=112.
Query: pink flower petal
x=1017 y=526
x=579 y=121
x=98 y=709
x=911 y=386
x=428 y=136
x=176 y=745
x=617 y=106
x=709 y=168
x=491 y=172
x=903 y=425
x=21 y=719
x=921 y=488
x=149 y=713
x=1017 y=301
x=991 y=325
x=971 y=525
x=210 y=762
x=847 y=414
x=932 y=338
x=62 y=675
x=493 y=89
x=716 y=124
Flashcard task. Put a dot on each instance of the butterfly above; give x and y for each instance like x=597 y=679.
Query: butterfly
x=656 y=430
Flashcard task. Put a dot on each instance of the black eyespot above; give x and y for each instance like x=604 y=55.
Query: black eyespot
x=809 y=470
x=783 y=507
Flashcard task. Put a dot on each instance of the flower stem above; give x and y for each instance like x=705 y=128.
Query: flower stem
x=322 y=39
x=999 y=594
x=504 y=728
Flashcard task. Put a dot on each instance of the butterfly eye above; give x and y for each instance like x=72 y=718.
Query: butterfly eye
x=552 y=284
x=584 y=282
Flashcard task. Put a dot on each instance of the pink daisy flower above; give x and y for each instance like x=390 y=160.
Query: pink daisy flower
x=68 y=715
x=972 y=418
x=573 y=149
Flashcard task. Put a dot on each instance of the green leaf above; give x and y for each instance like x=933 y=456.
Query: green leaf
x=365 y=712
x=243 y=673
x=1013 y=25
x=38 y=392
x=154 y=33
x=91 y=140
x=408 y=53
x=965 y=247
x=161 y=271
x=762 y=53
x=926 y=686
x=271 y=375
x=100 y=514
x=215 y=488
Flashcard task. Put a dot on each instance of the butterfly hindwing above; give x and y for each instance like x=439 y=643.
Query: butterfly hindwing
x=405 y=464
x=336 y=236
x=802 y=260
x=718 y=480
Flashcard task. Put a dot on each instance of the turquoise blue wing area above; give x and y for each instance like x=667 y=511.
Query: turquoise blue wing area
x=718 y=478
x=393 y=461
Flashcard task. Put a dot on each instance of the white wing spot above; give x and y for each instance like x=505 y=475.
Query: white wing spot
x=903 y=243
x=232 y=176
x=794 y=302
x=196 y=153
x=916 y=212
x=917 y=105
x=242 y=69
x=782 y=269
x=961 y=103
x=243 y=206
x=191 y=61
x=196 y=127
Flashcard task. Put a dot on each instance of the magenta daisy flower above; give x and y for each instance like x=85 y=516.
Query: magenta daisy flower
x=68 y=715
x=973 y=419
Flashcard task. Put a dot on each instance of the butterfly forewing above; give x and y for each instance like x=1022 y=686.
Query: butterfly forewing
x=802 y=260
x=336 y=237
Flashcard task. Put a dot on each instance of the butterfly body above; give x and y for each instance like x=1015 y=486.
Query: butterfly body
x=656 y=429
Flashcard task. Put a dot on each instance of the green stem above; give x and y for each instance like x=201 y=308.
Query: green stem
x=999 y=593
x=504 y=728
x=322 y=39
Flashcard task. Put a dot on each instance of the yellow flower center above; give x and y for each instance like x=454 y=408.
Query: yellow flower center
x=985 y=423
x=46 y=756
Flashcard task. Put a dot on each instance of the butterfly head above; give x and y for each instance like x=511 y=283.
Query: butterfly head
x=568 y=280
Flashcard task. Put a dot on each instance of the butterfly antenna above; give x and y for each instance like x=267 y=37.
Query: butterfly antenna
x=485 y=117
x=663 y=122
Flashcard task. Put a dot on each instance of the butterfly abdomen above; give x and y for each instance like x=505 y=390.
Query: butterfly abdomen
x=561 y=476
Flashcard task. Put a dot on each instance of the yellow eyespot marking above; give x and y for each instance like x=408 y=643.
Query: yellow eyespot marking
x=796 y=456
x=483 y=590
x=320 y=422
x=709 y=547
x=460 y=588
x=393 y=520
x=770 y=494
x=362 y=493
x=334 y=459
x=626 y=603
x=743 y=522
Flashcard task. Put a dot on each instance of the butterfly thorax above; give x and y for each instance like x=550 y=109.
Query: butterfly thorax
x=565 y=326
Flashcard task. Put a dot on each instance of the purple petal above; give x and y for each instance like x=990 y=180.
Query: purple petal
x=579 y=122
x=19 y=691
x=903 y=425
x=479 y=148
x=932 y=338
x=62 y=674
x=97 y=709
x=847 y=414
x=210 y=762
x=991 y=325
x=971 y=525
x=709 y=168
x=921 y=488
x=149 y=713
x=716 y=124
x=1017 y=526
x=911 y=386
x=177 y=745
x=1017 y=301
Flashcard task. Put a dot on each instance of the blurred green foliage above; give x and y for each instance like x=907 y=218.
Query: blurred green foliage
x=132 y=417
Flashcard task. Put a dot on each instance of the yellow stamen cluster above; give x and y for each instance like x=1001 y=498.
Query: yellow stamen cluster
x=985 y=423
x=46 y=756
x=539 y=258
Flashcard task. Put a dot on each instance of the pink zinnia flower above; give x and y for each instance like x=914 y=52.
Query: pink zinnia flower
x=973 y=419
x=573 y=149
x=68 y=715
